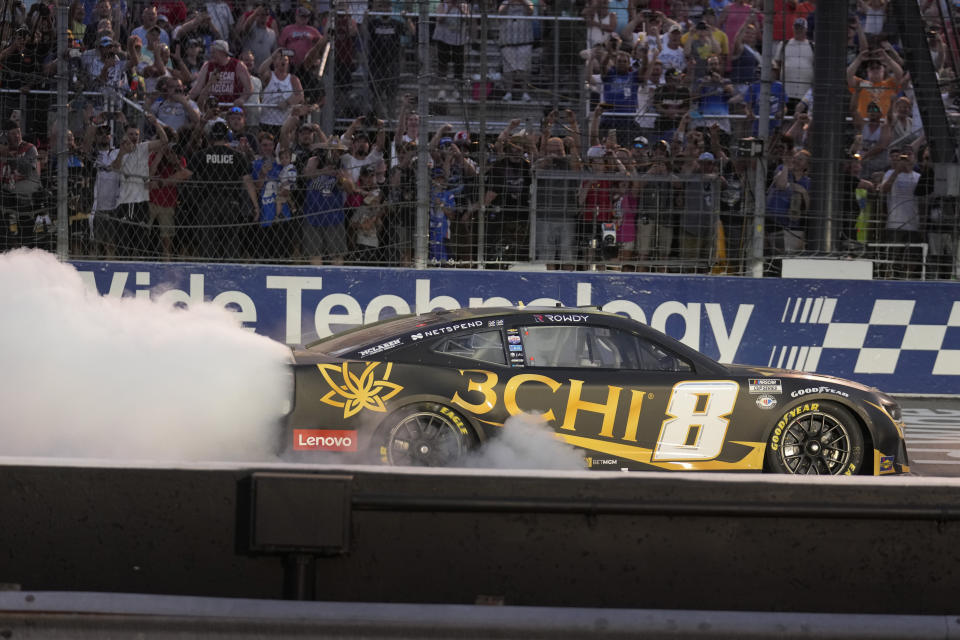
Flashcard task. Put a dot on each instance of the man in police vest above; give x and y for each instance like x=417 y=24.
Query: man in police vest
x=226 y=198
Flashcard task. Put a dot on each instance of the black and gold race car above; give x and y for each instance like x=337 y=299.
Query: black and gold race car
x=426 y=389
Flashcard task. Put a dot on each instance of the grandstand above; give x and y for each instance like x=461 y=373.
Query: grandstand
x=718 y=136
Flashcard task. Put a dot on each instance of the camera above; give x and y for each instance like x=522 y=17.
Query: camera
x=608 y=240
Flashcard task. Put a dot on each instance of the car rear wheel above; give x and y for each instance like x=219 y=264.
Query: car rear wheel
x=816 y=438
x=425 y=434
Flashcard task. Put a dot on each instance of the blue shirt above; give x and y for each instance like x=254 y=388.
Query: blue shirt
x=323 y=204
x=778 y=99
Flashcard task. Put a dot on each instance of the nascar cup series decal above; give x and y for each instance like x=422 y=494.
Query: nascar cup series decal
x=355 y=392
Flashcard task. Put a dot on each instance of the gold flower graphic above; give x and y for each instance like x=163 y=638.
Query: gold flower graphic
x=358 y=392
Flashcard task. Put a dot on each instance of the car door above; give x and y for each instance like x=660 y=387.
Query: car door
x=624 y=397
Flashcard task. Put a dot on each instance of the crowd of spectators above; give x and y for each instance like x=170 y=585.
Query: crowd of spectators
x=194 y=135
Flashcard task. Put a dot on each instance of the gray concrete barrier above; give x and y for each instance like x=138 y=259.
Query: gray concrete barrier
x=363 y=534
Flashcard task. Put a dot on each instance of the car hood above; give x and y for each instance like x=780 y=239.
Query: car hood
x=813 y=378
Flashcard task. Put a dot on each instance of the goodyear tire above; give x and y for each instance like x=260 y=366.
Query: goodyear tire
x=425 y=434
x=816 y=438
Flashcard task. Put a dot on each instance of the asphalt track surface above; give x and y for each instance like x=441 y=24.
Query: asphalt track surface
x=933 y=435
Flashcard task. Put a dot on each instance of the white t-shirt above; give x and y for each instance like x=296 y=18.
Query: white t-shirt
x=902 y=212
x=353 y=165
x=797 y=71
x=134 y=174
x=107 y=186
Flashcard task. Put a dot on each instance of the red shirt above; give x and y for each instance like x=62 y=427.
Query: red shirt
x=166 y=196
x=598 y=199
x=228 y=87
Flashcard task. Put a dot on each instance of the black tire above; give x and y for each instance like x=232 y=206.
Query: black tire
x=425 y=434
x=816 y=438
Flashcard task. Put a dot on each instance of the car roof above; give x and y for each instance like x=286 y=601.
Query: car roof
x=388 y=329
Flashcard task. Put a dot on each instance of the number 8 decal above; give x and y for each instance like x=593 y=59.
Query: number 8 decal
x=697 y=420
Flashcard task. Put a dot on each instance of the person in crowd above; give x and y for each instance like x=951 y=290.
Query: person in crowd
x=400 y=223
x=167 y=168
x=874 y=142
x=787 y=202
x=222 y=77
x=672 y=102
x=745 y=57
x=171 y=105
x=282 y=91
x=221 y=18
x=187 y=60
x=902 y=225
x=133 y=202
x=324 y=230
x=100 y=153
x=241 y=136
x=362 y=152
x=507 y=197
x=853 y=192
x=300 y=36
x=700 y=213
x=149 y=18
x=778 y=103
x=20 y=179
x=600 y=21
x=673 y=55
x=451 y=35
x=273 y=175
x=257 y=32
x=714 y=94
x=795 y=57
x=199 y=26
x=881 y=85
x=385 y=34
x=516 y=46
x=621 y=85
x=557 y=214
x=228 y=196
x=699 y=45
x=443 y=208
x=365 y=213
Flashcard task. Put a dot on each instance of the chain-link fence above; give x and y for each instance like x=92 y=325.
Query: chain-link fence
x=634 y=136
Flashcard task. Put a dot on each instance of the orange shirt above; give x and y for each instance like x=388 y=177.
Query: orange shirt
x=883 y=93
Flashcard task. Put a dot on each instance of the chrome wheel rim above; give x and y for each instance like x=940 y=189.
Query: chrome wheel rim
x=424 y=439
x=815 y=444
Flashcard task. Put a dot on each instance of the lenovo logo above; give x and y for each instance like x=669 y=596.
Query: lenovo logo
x=324 y=440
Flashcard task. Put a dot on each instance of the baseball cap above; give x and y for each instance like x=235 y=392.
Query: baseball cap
x=675 y=27
x=445 y=141
x=462 y=136
x=801 y=22
x=706 y=156
x=220 y=45
x=106 y=41
x=236 y=109
x=639 y=142
x=303 y=11
x=219 y=131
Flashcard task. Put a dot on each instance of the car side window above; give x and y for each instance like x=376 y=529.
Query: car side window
x=484 y=346
x=584 y=346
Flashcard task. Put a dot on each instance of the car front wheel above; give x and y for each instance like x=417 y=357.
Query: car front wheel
x=425 y=435
x=816 y=438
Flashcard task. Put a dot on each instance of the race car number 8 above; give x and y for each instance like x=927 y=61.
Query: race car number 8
x=697 y=419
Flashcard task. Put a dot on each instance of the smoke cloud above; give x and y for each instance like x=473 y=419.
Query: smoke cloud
x=101 y=377
x=527 y=442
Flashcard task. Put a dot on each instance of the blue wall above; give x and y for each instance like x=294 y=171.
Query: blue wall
x=903 y=337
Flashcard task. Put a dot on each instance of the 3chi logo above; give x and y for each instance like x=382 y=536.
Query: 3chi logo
x=358 y=392
x=538 y=317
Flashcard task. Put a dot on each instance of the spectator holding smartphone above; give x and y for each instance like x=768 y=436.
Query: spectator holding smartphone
x=281 y=91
